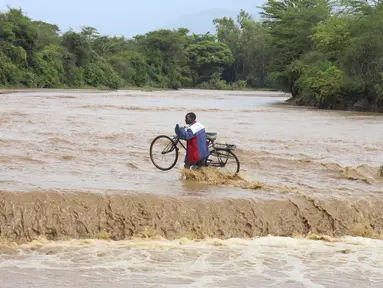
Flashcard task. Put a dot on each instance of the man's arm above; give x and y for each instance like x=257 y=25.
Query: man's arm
x=184 y=133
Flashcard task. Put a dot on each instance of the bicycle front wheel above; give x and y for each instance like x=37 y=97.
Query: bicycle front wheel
x=163 y=152
x=225 y=160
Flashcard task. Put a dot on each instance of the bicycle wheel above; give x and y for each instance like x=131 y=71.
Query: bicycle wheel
x=164 y=147
x=225 y=160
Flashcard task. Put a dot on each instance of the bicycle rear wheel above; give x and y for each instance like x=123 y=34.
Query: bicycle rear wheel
x=165 y=148
x=225 y=160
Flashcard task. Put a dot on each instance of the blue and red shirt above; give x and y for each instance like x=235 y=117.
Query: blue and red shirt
x=195 y=136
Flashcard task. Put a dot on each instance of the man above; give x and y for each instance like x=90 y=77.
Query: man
x=196 y=149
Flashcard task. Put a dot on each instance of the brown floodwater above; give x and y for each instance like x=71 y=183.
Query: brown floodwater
x=75 y=164
x=100 y=142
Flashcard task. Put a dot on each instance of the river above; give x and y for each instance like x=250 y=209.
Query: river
x=83 y=206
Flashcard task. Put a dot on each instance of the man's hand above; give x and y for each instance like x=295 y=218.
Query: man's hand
x=177 y=129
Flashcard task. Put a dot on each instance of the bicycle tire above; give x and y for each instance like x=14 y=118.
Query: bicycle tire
x=229 y=152
x=174 y=147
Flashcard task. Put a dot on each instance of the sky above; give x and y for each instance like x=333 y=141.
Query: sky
x=128 y=18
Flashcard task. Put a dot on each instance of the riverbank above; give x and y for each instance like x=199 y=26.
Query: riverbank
x=356 y=106
x=360 y=106
x=85 y=89
x=145 y=89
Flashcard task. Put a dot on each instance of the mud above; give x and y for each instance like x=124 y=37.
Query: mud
x=57 y=216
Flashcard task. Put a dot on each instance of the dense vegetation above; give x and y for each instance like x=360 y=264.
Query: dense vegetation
x=326 y=53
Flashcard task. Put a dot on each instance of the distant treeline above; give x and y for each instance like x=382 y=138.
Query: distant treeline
x=328 y=54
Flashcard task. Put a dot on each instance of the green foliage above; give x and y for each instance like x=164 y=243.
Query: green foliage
x=207 y=58
x=132 y=67
x=325 y=53
x=320 y=79
x=328 y=55
x=100 y=73
x=290 y=24
x=250 y=44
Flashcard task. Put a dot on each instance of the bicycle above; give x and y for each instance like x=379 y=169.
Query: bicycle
x=219 y=156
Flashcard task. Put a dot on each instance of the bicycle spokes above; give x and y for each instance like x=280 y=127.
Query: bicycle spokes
x=164 y=152
x=169 y=148
x=224 y=160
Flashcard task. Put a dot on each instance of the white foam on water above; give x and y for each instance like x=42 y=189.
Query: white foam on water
x=267 y=261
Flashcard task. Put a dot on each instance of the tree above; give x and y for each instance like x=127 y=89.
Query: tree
x=207 y=58
x=290 y=24
x=326 y=53
x=249 y=42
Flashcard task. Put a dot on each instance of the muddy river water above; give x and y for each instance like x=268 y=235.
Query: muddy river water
x=81 y=204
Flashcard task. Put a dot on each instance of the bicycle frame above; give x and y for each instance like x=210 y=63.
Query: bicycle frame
x=211 y=145
x=175 y=142
x=220 y=152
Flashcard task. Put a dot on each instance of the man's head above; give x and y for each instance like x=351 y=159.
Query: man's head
x=190 y=118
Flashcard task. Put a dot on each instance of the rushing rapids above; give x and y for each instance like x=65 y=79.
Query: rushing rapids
x=75 y=165
x=26 y=216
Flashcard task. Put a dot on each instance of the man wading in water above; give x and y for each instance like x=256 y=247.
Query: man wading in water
x=197 y=149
